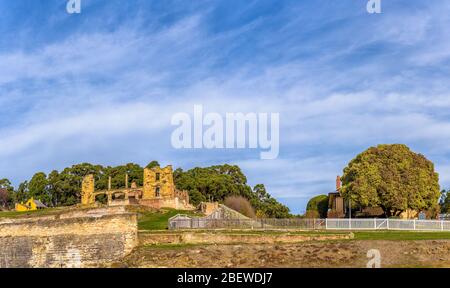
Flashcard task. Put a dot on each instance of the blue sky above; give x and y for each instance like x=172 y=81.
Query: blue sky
x=101 y=86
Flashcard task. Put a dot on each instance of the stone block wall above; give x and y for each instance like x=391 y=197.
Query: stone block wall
x=87 y=190
x=87 y=240
x=161 y=178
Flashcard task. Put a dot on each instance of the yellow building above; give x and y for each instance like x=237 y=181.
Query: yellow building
x=30 y=205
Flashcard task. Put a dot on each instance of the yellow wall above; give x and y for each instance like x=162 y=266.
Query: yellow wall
x=165 y=183
x=87 y=190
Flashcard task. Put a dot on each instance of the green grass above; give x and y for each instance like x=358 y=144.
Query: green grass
x=14 y=214
x=173 y=246
x=400 y=235
x=159 y=220
x=359 y=235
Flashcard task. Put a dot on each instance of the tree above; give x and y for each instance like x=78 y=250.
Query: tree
x=152 y=164
x=218 y=182
x=318 y=204
x=392 y=177
x=37 y=188
x=266 y=206
x=261 y=193
x=6 y=194
x=55 y=187
x=70 y=179
x=241 y=205
x=118 y=176
x=445 y=201
x=22 y=194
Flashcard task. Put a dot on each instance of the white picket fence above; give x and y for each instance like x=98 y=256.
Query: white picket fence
x=387 y=224
x=310 y=224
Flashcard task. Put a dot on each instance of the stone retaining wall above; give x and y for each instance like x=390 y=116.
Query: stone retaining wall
x=82 y=239
x=148 y=238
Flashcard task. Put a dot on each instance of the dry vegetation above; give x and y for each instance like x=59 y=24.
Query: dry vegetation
x=240 y=204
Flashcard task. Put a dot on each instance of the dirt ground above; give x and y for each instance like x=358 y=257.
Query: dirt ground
x=422 y=253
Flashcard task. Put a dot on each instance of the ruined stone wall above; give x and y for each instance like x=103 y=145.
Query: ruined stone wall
x=87 y=190
x=87 y=240
x=208 y=208
x=164 y=183
x=163 y=203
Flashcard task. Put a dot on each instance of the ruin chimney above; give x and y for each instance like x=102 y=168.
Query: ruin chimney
x=338 y=183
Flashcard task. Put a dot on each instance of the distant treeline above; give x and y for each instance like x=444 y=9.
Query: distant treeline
x=213 y=183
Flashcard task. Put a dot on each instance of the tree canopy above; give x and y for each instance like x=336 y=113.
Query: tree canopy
x=392 y=177
x=6 y=194
x=445 y=201
x=213 y=183
x=319 y=204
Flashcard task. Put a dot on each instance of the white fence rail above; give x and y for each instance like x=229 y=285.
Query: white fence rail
x=387 y=224
x=311 y=224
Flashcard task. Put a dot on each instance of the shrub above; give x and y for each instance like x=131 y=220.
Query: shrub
x=241 y=205
x=312 y=214
x=318 y=204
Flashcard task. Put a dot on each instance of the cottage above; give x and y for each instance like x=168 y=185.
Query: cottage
x=30 y=205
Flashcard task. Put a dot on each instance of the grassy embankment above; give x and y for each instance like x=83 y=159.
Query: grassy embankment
x=15 y=214
x=158 y=220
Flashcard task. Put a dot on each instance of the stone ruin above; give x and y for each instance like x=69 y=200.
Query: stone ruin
x=158 y=191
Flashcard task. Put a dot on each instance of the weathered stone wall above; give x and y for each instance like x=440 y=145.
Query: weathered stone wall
x=182 y=237
x=87 y=190
x=208 y=208
x=68 y=240
x=161 y=178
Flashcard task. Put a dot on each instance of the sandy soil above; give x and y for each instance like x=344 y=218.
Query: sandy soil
x=424 y=253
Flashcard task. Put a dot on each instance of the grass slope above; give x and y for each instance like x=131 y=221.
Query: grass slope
x=15 y=214
x=152 y=220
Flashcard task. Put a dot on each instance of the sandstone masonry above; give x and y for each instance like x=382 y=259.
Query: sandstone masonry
x=82 y=239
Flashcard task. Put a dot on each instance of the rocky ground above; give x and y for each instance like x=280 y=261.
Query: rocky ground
x=350 y=253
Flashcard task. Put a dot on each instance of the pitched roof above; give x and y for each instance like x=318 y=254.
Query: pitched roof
x=39 y=204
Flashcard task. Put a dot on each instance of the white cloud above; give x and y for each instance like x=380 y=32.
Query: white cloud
x=113 y=94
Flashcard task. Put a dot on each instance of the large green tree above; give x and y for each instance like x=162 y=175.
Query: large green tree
x=6 y=194
x=37 y=188
x=392 y=177
x=21 y=194
x=318 y=204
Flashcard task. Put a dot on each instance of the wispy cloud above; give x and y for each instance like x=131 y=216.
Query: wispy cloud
x=342 y=80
